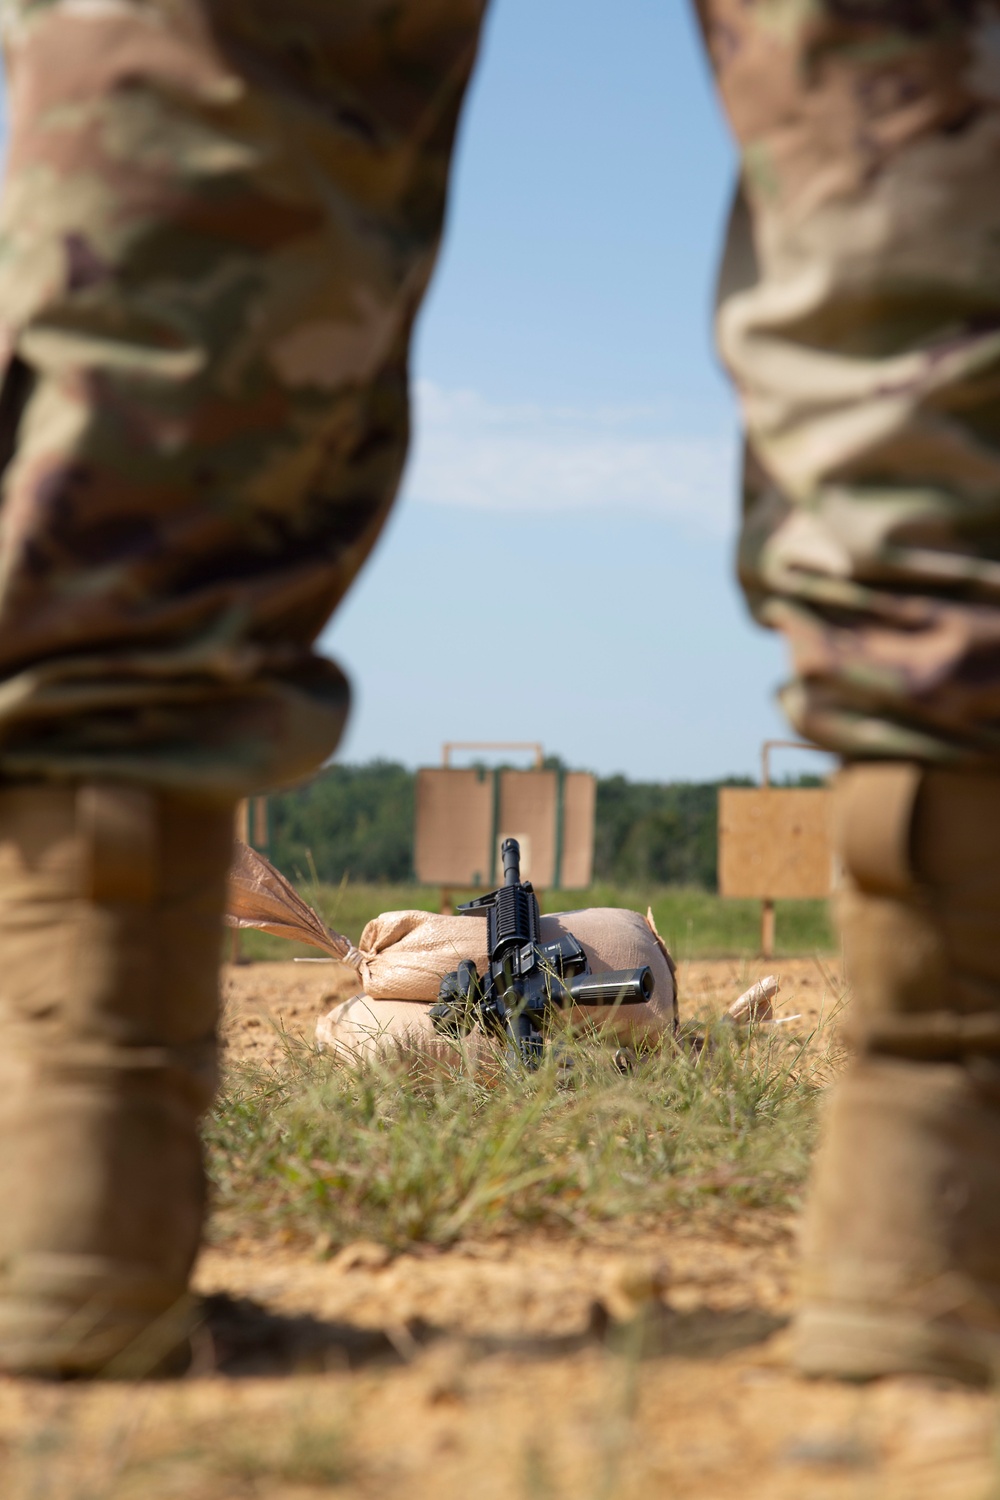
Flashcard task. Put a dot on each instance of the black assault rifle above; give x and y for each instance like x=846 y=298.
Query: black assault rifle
x=526 y=980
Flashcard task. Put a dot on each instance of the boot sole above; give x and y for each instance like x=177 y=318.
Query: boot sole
x=857 y=1344
x=54 y=1343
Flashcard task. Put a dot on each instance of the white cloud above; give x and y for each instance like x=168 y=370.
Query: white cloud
x=471 y=452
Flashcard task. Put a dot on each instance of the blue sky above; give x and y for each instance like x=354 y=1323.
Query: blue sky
x=573 y=481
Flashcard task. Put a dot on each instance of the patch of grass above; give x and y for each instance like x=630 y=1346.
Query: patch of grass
x=699 y=924
x=305 y=1452
x=136 y=1459
x=693 y=923
x=384 y=1151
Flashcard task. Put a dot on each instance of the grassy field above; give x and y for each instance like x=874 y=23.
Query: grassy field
x=693 y=923
x=579 y=1253
x=375 y=1153
x=315 y=1151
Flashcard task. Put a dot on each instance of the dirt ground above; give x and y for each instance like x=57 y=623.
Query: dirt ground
x=623 y=1368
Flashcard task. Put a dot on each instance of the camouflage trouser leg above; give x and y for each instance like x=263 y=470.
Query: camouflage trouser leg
x=860 y=318
x=219 y=219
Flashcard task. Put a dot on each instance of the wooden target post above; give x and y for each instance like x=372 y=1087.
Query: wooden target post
x=775 y=843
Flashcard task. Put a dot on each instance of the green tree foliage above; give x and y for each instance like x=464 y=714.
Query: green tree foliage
x=353 y=821
x=357 y=822
x=652 y=834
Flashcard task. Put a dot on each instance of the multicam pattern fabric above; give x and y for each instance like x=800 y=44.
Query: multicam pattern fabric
x=860 y=318
x=218 y=222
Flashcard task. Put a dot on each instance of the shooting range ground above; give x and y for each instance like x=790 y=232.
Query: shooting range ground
x=414 y=1325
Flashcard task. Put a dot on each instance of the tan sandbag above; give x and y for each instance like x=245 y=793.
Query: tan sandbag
x=419 y=948
x=401 y=1029
x=259 y=896
x=404 y=955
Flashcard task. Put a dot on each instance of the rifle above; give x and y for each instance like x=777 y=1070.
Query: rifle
x=526 y=981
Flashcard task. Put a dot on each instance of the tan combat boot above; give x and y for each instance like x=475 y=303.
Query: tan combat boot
x=111 y=902
x=902 y=1238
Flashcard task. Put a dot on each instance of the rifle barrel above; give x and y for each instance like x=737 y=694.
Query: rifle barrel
x=510 y=853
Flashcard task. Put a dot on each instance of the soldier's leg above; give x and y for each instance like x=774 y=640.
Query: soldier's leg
x=860 y=317
x=218 y=222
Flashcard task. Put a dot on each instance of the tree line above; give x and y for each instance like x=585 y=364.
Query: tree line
x=357 y=822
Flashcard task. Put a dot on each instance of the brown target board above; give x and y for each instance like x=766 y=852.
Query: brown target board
x=775 y=844
x=464 y=815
